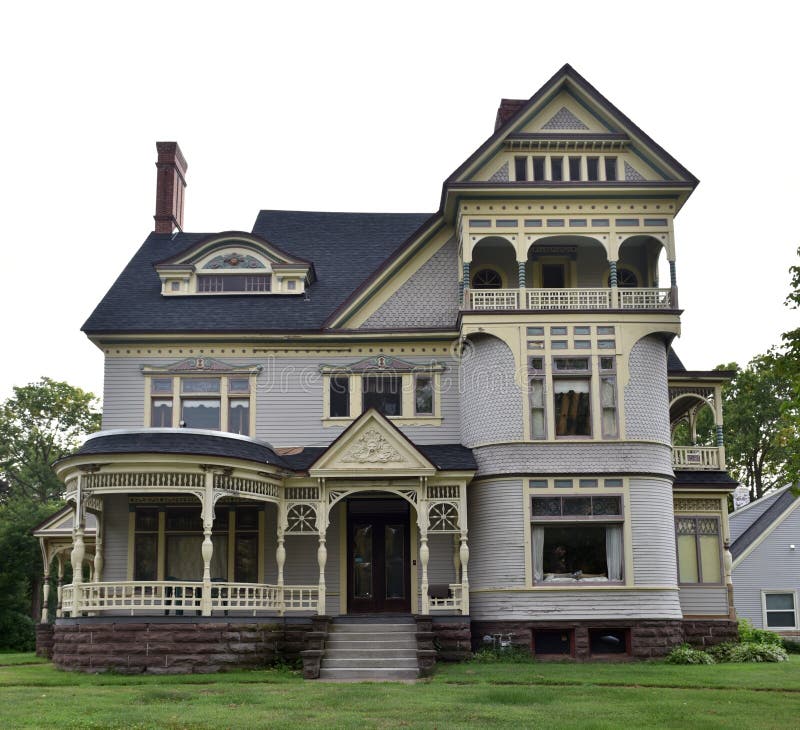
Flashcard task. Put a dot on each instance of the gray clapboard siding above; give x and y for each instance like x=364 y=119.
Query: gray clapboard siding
x=704 y=601
x=115 y=541
x=653 y=532
x=496 y=534
x=771 y=566
x=569 y=605
x=288 y=398
x=742 y=518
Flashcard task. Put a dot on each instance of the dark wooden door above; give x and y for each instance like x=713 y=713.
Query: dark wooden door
x=378 y=563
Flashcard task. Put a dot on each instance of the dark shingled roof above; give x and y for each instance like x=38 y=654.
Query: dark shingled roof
x=674 y=363
x=704 y=480
x=763 y=523
x=445 y=457
x=345 y=248
x=183 y=442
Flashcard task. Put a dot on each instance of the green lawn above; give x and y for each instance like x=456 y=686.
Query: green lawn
x=33 y=694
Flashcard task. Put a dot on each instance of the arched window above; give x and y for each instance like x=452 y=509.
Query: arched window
x=625 y=278
x=486 y=279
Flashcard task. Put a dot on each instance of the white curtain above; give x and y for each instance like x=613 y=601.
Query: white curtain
x=538 y=553
x=614 y=551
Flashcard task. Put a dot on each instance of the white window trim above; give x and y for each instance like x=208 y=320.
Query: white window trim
x=764 y=594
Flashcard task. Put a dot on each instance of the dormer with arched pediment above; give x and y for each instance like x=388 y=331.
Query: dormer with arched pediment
x=234 y=263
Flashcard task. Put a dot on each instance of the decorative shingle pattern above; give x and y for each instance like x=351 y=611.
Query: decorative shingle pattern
x=583 y=458
x=564 y=119
x=428 y=299
x=646 y=395
x=501 y=175
x=491 y=400
x=632 y=174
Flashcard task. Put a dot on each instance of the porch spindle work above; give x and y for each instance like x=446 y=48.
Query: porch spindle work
x=322 y=552
x=208 y=546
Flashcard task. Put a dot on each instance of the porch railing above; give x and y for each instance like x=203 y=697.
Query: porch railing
x=152 y=596
x=576 y=299
x=698 y=458
x=451 y=603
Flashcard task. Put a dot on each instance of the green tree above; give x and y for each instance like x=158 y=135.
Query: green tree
x=789 y=367
x=758 y=446
x=40 y=423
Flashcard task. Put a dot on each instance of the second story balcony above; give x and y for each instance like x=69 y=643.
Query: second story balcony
x=637 y=298
x=568 y=273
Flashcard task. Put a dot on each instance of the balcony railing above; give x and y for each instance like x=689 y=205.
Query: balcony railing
x=698 y=458
x=452 y=602
x=180 y=596
x=576 y=299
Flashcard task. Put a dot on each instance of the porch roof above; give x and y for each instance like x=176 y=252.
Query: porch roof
x=704 y=480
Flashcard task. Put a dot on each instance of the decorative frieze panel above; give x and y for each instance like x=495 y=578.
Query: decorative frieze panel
x=446 y=491
x=246 y=486
x=443 y=517
x=301 y=519
x=126 y=480
x=310 y=494
x=372 y=447
x=686 y=504
x=699 y=392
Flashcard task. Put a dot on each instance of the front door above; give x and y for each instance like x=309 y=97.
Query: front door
x=378 y=556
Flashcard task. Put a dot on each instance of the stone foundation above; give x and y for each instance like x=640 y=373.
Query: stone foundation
x=44 y=640
x=645 y=639
x=160 y=647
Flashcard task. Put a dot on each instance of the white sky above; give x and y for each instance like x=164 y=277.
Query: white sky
x=351 y=106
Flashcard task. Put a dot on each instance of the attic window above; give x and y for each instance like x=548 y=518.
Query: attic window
x=538 y=168
x=556 y=171
x=521 y=168
x=611 y=168
x=233 y=283
x=593 y=168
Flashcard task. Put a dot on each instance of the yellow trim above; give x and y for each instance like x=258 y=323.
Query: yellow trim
x=343 y=529
x=566 y=589
x=231 y=544
x=162 y=544
x=262 y=547
x=131 y=538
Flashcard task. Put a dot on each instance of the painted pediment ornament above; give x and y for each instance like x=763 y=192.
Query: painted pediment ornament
x=234 y=261
x=371 y=447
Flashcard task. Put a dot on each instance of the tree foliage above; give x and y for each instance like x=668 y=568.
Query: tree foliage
x=40 y=423
x=758 y=427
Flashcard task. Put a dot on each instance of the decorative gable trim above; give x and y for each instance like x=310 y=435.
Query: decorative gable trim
x=371 y=446
x=199 y=365
x=270 y=269
x=564 y=119
x=383 y=364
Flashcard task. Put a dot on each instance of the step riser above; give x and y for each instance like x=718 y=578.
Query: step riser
x=370 y=663
x=373 y=646
x=377 y=628
x=373 y=635
x=379 y=675
x=371 y=654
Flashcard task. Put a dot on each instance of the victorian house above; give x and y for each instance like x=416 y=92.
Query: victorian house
x=345 y=435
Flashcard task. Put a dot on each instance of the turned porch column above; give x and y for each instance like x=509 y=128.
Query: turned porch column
x=207 y=548
x=46 y=581
x=423 y=520
x=78 y=547
x=464 y=549
x=98 y=549
x=322 y=550
x=280 y=554
x=59 y=585
x=613 y=282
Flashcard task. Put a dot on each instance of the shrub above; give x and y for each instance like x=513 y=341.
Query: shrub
x=685 y=654
x=792 y=647
x=17 y=631
x=748 y=634
x=757 y=652
x=722 y=652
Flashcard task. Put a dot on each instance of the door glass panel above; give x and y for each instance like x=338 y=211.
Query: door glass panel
x=394 y=542
x=362 y=561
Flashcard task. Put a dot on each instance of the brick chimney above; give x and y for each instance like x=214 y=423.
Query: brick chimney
x=170 y=182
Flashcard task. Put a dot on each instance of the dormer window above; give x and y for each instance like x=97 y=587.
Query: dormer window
x=234 y=264
x=234 y=283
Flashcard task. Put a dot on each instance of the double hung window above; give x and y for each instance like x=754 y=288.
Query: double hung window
x=572 y=396
x=780 y=611
x=577 y=539
x=699 y=549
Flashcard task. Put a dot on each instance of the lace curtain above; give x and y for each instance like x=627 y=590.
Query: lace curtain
x=614 y=551
x=538 y=553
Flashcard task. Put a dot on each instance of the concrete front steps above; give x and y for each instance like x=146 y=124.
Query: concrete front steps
x=375 y=650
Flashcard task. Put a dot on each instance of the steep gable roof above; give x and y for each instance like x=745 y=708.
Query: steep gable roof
x=765 y=523
x=345 y=249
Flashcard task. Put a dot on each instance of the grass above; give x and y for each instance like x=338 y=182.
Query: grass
x=33 y=694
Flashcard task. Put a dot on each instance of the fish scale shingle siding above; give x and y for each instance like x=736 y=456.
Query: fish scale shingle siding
x=428 y=299
x=646 y=394
x=491 y=399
